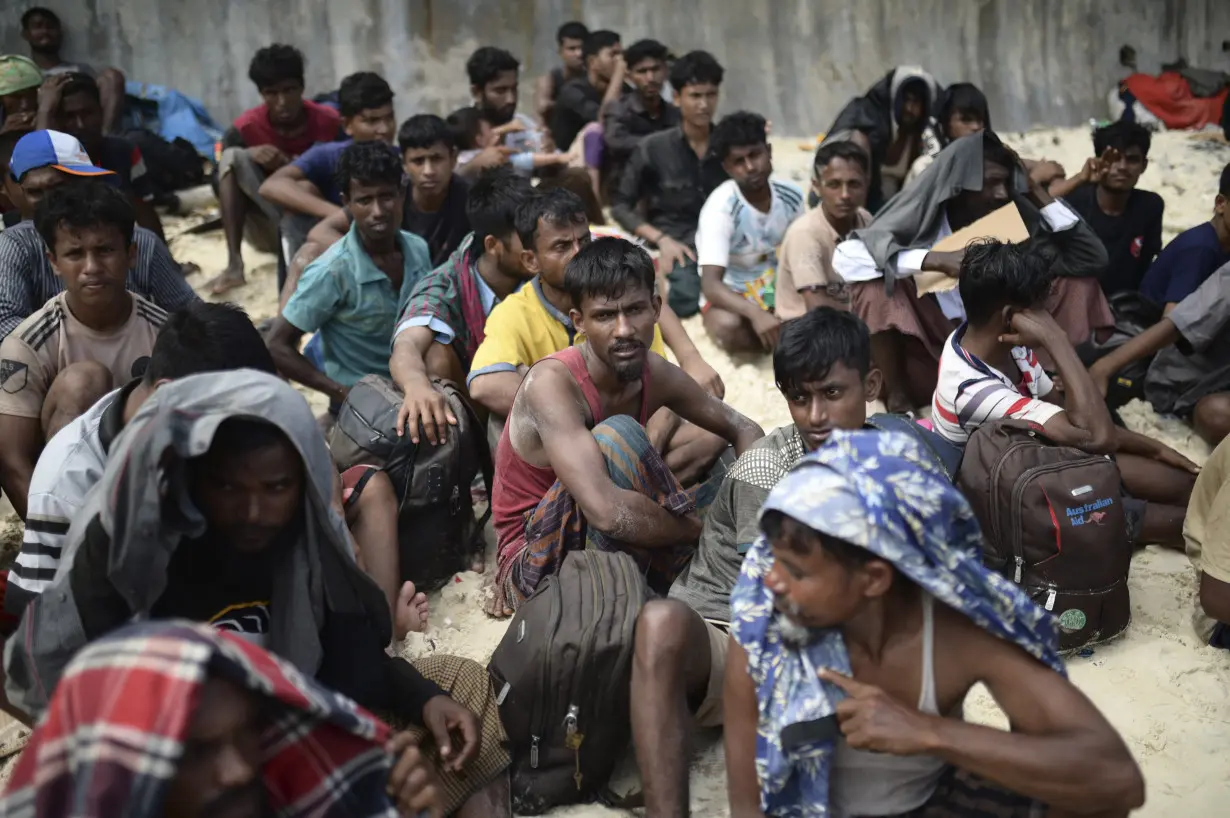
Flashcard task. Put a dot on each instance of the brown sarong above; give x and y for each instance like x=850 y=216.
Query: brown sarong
x=468 y=684
x=1078 y=305
x=903 y=312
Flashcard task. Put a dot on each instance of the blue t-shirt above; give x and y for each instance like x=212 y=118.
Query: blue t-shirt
x=1183 y=265
x=353 y=305
x=319 y=165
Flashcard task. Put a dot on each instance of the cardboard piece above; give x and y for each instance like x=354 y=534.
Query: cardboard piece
x=1004 y=224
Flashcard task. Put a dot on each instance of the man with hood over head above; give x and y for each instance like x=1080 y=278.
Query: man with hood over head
x=217 y=506
x=970 y=179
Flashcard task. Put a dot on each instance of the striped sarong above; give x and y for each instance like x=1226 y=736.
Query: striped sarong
x=557 y=525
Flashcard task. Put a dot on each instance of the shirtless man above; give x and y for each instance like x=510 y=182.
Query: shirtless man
x=864 y=616
x=597 y=472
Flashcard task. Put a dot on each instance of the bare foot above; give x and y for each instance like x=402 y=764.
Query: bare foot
x=229 y=279
x=412 y=611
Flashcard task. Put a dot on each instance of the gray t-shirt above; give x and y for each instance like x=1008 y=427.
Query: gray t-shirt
x=733 y=523
x=1199 y=364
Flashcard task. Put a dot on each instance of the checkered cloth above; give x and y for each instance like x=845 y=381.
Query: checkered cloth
x=557 y=524
x=450 y=294
x=112 y=737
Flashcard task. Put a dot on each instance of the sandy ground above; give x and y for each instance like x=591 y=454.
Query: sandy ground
x=1168 y=695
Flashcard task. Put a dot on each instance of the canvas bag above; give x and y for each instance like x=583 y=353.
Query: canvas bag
x=562 y=674
x=437 y=530
x=1053 y=522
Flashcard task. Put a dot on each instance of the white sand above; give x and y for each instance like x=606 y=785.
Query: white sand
x=1167 y=694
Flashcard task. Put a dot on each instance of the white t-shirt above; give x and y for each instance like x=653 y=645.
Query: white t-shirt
x=733 y=234
x=970 y=392
x=71 y=464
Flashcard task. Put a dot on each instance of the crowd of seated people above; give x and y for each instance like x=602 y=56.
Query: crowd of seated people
x=180 y=500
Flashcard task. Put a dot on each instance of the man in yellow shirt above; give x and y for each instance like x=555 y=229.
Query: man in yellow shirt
x=534 y=322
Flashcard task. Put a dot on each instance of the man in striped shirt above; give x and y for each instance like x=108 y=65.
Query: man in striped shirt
x=989 y=372
x=42 y=161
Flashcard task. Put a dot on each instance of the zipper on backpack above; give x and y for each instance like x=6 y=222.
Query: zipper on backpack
x=534 y=752
x=1018 y=490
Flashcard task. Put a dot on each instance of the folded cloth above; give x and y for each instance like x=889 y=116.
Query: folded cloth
x=879 y=491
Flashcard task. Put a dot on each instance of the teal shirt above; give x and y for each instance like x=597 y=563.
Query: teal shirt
x=352 y=304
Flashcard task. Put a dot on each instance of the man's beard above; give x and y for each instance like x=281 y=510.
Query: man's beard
x=629 y=370
x=498 y=116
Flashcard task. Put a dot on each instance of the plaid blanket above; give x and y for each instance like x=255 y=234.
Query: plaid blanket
x=557 y=525
x=112 y=737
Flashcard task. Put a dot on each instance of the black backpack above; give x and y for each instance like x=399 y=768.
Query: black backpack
x=171 y=166
x=437 y=529
x=562 y=674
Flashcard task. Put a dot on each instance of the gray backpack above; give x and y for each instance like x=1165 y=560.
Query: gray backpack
x=436 y=526
x=562 y=674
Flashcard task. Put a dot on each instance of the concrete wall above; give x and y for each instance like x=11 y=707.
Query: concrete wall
x=795 y=61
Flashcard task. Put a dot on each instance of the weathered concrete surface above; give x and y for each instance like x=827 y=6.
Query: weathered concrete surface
x=795 y=61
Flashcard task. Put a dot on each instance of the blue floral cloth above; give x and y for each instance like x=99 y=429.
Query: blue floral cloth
x=879 y=491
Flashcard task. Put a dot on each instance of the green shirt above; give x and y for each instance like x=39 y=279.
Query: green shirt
x=733 y=523
x=353 y=305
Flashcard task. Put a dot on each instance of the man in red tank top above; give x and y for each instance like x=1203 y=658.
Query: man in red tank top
x=574 y=467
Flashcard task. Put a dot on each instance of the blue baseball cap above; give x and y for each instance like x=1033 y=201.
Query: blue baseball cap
x=41 y=149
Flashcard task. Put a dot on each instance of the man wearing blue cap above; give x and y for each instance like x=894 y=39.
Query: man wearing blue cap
x=41 y=161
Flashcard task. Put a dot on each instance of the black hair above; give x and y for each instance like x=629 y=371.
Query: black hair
x=606 y=268
x=487 y=63
x=696 y=68
x=421 y=131
x=554 y=205
x=83 y=204
x=738 y=130
x=493 y=202
x=841 y=149
x=996 y=152
x=1122 y=135
x=207 y=337
x=81 y=84
x=598 y=40
x=996 y=274
x=578 y=181
x=369 y=163
x=571 y=30
x=962 y=97
x=643 y=50
x=248 y=434
x=276 y=63
x=465 y=124
x=1223 y=185
x=8 y=141
x=362 y=92
x=39 y=11
x=803 y=539
x=811 y=344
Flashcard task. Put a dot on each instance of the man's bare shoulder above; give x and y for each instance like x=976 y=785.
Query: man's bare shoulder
x=548 y=388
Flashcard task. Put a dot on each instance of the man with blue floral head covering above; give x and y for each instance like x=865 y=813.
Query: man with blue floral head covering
x=845 y=687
